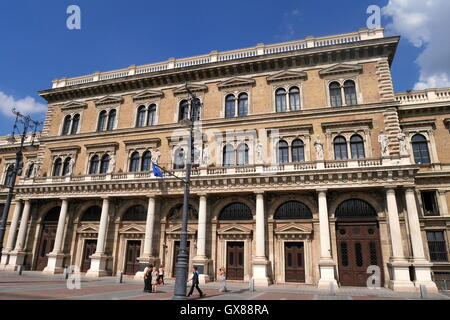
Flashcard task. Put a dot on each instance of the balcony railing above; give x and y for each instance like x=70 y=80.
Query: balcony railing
x=215 y=171
x=423 y=96
x=214 y=56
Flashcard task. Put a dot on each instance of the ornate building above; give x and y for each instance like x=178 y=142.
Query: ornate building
x=308 y=169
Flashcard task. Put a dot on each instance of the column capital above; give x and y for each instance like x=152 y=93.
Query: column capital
x=410 y=190
x=442 y=192
x=16 y=201
x=259 y=192
x=64 y=199
x=390 y=190
x=320 y=190
x=202 y=194
x=151 y=196
x=105 y=198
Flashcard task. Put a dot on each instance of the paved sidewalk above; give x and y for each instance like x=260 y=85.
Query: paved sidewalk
x=37 y=286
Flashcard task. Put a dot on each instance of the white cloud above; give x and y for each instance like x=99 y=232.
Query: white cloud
x=425 y=23
x=26 y=105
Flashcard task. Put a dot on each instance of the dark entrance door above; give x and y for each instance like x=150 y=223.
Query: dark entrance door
x=89 y=249
x=133 y=253
x=176 y=251
x=46 y=244
x=294 y=260
x=358 y=248
x=235 y=261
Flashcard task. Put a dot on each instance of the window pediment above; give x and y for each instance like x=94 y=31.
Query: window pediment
x=176 y=230
x=419 y=125
x=191 y=87
x=293 y=229
x=90 y=228
x=148 y=95
x=341 y=68
x=134 y=228
x=291 y=131
x=287 y=75
x=234 y=229
x=73 y=105
x=236 y=82
x=143 y=144
x=109 y=100
x=65 y=149
x=348 y=125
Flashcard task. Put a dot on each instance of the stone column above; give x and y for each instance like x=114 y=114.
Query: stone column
x=147 y=253
x=326 y=262
x=56 y=257
x=421 y=265
x=17 y=256
x=260 y=263
x=400 y=280
x=201 y=260
x=99 y=258
x=11 y=235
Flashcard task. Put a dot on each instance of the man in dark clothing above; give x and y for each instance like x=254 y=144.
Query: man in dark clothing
x=195 y=283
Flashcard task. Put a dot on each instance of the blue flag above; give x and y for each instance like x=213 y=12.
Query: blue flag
x=156 y=171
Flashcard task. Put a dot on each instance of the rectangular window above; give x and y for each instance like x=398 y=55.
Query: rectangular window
x=437 y=246
x=430 y=207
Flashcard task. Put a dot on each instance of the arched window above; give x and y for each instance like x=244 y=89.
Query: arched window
x=94 y=213
x=298 y=151
x=57 y=167
x=350 y=93
x=140 y=119
x=243 y=105
x=355 y=208
x=151 y=120
x=52 y=215
x=146 y=161
x=102 y=121
x=294 y=98
x=66 y=167
x=293 y=210
x=228 y=155
x=134 y=162
x=111 y=119
x=75 y=124
x=135 y=213
x=196 y=109
x=236 y=211
x=66 y=125
x=176 y=213
x=184 y=110
x=104 y=164
x=420 y=149
x=357 y=147
x=282 y=152
x=335 y=94
x=242 y=155
x=340 y=148
x=230 y=102
x=93 y=168
x=178 y=161
x=280 y=100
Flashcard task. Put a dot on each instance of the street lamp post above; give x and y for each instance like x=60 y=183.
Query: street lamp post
x=182 y=261
x=27 y=123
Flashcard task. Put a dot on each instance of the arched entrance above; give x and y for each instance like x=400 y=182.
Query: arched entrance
x=48 y=235
x=91 y=215
x=358 y=242
x=133 y=216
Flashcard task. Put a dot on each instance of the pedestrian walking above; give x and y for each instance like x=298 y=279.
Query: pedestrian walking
x=223 y=280
x=147 y=278
x=195 y=283
x=154 y=277
x=161 y=275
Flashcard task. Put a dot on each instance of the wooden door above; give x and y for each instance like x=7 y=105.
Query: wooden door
x=235 y=261
x=89 y=249
x=294 y=261
x=176 y=251
x=46 y=244
x=358 y=248
x=133 y=253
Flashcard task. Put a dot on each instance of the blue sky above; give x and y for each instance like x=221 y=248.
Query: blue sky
x=37 y=47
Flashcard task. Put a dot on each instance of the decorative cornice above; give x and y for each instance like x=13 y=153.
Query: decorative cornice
x=109 y=100
x=74 y=105
x=347 y=124
x=286 y=75
x=148 y=95
x=191 y=87
x=114 y=145
x=236 y=82
x=341 y=68
x=65 y=148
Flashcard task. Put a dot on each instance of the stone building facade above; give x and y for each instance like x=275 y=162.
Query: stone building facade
x=308 y=169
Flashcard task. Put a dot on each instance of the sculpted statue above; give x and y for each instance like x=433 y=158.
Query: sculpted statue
x=403 y=144
x=36 y=169
x=156 y=155
x=259 y=152
x=71 y=165
x=319 y=148
x=205 y=157
x=112 y=164
x=384 y=142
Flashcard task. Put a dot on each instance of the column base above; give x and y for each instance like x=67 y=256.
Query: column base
x=260 y=274
x=98 y=266
x=202 y=263
x=423 y=276
x=144 y=262
x=55 y=263
x=327 y=274
x=4 y=260
x=16 y=259
x=400 y=277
